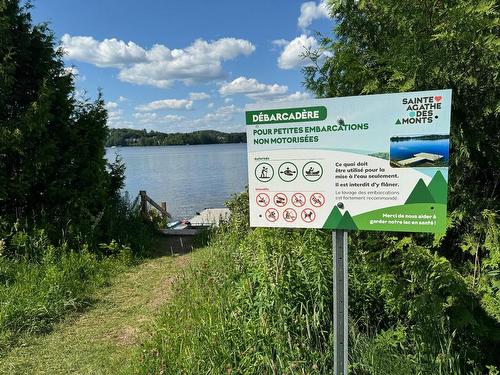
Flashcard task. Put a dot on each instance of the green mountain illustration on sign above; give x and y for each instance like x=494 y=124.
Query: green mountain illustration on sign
x=347 y=222
x=438 y=188
x=334 y=218
x=420 y=194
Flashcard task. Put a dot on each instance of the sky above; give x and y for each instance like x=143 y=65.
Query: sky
x=181 y=66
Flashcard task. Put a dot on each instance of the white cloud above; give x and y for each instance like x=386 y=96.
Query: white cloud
x=111 y=105
x=114 y=115
x=296 y=96
x=260 y=91
x=210 y=105
x=115 y=119
x=280 y=42
x=228 y=100
x=158 y=66
x=109 y=52
x=292 y=54
x=223 y=114
x=165 y=104
x=224 y=118
x=154 y=118
x=198 y=96
x=251 y=88
x=122 y=99
x=311 y=11
x=71 y=70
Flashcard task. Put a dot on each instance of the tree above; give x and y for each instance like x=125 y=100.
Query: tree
x=52 y=165
x=382 y=46
x=385 y=46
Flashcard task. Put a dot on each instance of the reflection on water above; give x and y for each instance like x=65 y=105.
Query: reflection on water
x=406 y=149
x=188 y=178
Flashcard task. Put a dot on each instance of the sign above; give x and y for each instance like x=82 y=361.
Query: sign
x=374 y=162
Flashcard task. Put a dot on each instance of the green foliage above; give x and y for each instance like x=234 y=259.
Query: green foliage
x=53 y=171
x=63 y=225
x=382 y=46
x=260 y=302
x=36 y=294
x=132 y=137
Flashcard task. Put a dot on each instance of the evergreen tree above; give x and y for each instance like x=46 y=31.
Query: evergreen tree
x=52 y=165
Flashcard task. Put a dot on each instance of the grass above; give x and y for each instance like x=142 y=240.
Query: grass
x=36 y=294
x=242 y=314
x=259 y=302
x=102 y=339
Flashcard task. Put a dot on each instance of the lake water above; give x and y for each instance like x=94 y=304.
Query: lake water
x=406 y=149
x=188 y=178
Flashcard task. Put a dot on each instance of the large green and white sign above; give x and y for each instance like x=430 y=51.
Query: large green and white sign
x=376 y=162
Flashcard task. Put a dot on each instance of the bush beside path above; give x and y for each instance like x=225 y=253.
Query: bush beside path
x=101 y=339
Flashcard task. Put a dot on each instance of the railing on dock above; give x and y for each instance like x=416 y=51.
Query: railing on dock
x=145 y=199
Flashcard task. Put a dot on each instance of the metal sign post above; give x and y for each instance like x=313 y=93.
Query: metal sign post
x=340 y=301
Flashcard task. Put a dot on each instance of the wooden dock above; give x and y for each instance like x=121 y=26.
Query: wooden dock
x=180 y=234
x=207 y=218
x=419 y=158
x=210 y=217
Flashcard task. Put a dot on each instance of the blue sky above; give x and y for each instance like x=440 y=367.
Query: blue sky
x=183 y=66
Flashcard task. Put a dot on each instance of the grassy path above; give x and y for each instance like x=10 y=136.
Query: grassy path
x=102 y=339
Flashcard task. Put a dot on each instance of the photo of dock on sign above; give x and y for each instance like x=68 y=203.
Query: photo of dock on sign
x=419 y=151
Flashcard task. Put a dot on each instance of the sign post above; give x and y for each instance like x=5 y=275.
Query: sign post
x=371 y=162
x=340 y=301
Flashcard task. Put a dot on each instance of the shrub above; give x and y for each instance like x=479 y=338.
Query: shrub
x=260 y=302
x=36 y=293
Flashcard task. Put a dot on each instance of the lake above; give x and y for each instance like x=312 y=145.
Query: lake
x=405 y=149
x=188 y=178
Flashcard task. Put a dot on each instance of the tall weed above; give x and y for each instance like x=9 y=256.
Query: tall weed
x=260 y=302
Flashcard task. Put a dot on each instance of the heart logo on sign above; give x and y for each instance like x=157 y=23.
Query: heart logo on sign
x=412 y=114
x=438 y=98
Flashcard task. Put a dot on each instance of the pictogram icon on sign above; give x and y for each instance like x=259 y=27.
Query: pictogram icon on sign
x=288 y=171
x=272 y=214
x=262 y=199
x=264 y=172
x=312 y=171
x=317 y=199
x=308 y=215
x=280 y=200
x=290 y=215
x=298 y=199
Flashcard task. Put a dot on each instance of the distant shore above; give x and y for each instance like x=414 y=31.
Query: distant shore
x=132 y=137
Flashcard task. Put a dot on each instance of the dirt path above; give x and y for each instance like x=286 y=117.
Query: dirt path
x=102 y=339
